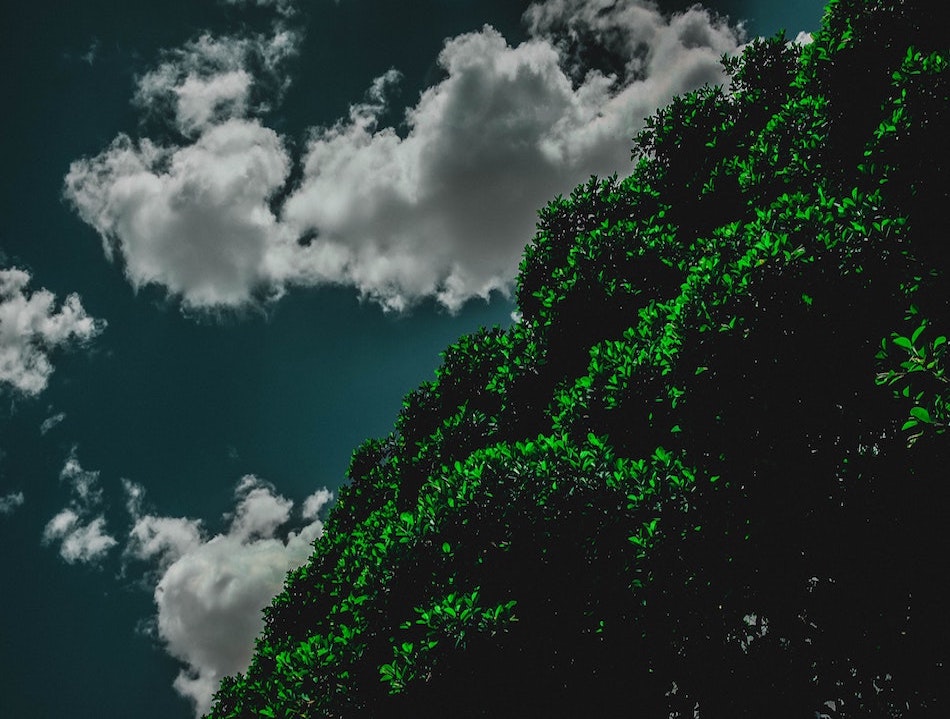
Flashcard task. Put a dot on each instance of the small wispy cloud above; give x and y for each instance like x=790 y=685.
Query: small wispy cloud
x=80 y=540
x=284 y=7
x=10 y=502
x=51 y=422
x=80 y=528
x=89 y=57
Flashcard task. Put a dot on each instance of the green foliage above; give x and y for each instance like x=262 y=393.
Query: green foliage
x=919 y=380
x=706 y=469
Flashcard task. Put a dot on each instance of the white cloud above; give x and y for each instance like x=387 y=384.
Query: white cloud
x=260 y=512
x=10 y=502
x=163 y=539
x=316 y=503
x=209 y=592
x=193 y=219
x=31 y=327
x=446 y=210
x=443 y=210
x=208 y=80
x=79 y=541
x=82 y=537
x=84 y=483
x=630 y=37
x=51 y=421
x=803 y=38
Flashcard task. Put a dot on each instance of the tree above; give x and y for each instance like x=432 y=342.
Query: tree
x=706 y=470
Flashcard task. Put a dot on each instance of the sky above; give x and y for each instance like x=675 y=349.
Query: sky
x=233 y=235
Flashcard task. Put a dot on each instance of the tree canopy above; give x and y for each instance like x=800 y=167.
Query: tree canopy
x=705 y=473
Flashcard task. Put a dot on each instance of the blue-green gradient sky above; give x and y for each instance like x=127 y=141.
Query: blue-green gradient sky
x=232 y=236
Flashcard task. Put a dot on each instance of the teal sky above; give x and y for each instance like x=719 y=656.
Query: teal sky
x=284 y=268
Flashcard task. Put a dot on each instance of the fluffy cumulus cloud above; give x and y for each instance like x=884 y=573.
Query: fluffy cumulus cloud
x=210 y=590
x=446 y=210
x=192 y=219
x=80 y=528
x=441 y=210
x=192 y=215
x=32 y=326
